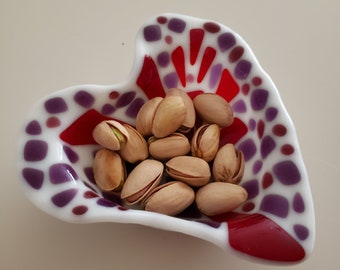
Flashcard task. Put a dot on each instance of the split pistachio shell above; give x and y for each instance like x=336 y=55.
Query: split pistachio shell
x=188 y=169
x=169 y=116
x=228 y=164
x=145 y=116
x=170 y=198
x=135 y=149
x=142 y=179
x=110 y=134
x=168 y=147
x=214 y=109
x=190 y=116
x=109 y=170
x=205 y=142
x=217 y=198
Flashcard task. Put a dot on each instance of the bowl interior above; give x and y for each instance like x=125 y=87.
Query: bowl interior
x=196 y=55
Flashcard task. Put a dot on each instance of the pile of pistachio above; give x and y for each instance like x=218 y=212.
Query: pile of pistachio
x=172 y=169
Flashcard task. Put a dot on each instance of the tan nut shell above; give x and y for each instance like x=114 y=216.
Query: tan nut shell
x=109 y=170
x=191 y=170
x=213 y=109
x=170 y=198
x=110 y=134
x=169 y=116
x=136 y=148
x=168 y=147
x=142 y=179
x=205 y=142
x=145 y=116
x=228 y=165
x=217 y=198
x=190 y=117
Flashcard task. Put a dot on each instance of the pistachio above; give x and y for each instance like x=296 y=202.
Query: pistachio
x=145 y=116
x=191 y=170
x=142 y=179
x=168 y=147
x=190 y=116
x=228 y=165
x=109 y=170
x=110 y=134
x=205 y=142
x=170 y=198
x=217 y=198
x=214 y=109
x=136 y=148
x=169 y=116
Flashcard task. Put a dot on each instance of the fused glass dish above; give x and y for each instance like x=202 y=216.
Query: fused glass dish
x=56 y=149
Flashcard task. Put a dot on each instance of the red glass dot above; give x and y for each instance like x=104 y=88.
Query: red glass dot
x=211 y=27
x=267 y=180
x=114 y=95
x=260 y=128
x=279 y=130
x=245 y=88
x=168 y=39
x=90 y=194
x=79 y=210
x=52 y=122
x=256 y=81
x=122 y=208
x=162 y=19
x=248 y=206
x=287 y=149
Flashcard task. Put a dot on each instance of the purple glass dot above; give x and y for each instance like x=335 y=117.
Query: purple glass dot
x=252 y=124
x=106 y=203
x=163 y=59
x=242 y=69
x=258 y=99
x=89 y=174
x=33 y=177
x=226 y=41
x=248 y=148
x=61 y=199
x=134 y=107
x=215 y=75
x=55 y=105
x=108 y=109
x=35 y=150
x=298 y=204
x=271 y=114
x=71 y=155
x=239 y=106
x=257 y=166
x=276 y=205
x=84 y=99
x=61 y=173
x=125 y=99
x=301 y=231
x=267 y=146
x=252 y=187
x=176 y=25
x=33 y=128
x=171 y=80
x=152 y=33
x=287 y=172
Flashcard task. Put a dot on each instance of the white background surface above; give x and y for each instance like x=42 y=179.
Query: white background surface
x=49 y=45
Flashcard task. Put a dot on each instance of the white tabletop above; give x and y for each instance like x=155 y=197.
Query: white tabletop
x=49 y=45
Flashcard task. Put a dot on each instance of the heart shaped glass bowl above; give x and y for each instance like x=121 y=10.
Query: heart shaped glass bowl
x=275 y=224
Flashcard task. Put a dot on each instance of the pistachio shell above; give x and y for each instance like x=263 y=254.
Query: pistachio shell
x=191 y=170
x=142 y=179
x=145 y=116
x=205 y=142
x=109 y=170
x=190 y=116
x=170 y=198
x=110 y=134
x=213 y=109
x=228 y=165
x=136 y=148
x=169 y=116
x=168 y=147
x=217 y=198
